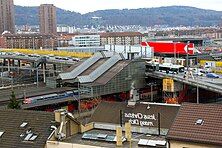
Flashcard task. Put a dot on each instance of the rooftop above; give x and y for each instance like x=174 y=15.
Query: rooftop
x=25 y=129
x=118 y=34
x=135 y=139
x=200 y=123
x=109 y=112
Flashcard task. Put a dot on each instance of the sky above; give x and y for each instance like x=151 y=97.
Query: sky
x=84 y=6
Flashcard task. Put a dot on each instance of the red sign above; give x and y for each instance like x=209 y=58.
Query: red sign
x=170 y=48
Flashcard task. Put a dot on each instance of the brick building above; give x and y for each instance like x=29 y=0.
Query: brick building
x=121 y=38
x=7 y=19
x=2 y=42
x=47 y=19
x=30 y=41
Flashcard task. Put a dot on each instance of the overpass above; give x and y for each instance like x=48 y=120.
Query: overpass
x=210 y=84
x=208 y=56
x=37 y=59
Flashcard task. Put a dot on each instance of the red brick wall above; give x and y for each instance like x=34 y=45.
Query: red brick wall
x=2 y=42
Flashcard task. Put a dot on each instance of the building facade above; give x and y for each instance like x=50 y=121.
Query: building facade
x=121 y=38
x=30 y=41
x=7 y=19
x=86 y=40
x=47 y=19
x=2 y=42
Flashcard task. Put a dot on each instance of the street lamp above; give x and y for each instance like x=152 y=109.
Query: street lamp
x=151 y=90
x=187 y=63
x=37 y=77
x=174 y=47
x=33 y=43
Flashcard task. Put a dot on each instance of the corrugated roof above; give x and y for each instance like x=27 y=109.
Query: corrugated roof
x=10 y=121
x=185 y=128
x=113 y=71
x=93 y=67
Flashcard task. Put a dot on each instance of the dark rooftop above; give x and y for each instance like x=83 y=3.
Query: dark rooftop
x=109 y=112
x=14 y=135
x=200 y=123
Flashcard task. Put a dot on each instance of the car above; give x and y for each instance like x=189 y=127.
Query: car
x=2 y=53
x=75 y=59
x=212 y=75
x=208 y=70
x=199 y=72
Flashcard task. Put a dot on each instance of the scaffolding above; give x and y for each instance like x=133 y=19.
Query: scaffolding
x=171 y=91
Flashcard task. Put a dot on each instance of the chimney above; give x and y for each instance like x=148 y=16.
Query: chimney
x=128 y=133
x=60 y=115
x=119 y=136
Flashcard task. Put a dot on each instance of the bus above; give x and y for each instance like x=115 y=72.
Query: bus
x=165 y=67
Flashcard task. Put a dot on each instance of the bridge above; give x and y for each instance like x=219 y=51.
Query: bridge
x=209 y=56
x=210 y=84
x=37 y=59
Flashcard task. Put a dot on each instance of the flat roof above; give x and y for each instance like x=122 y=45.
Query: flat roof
x=77 y=139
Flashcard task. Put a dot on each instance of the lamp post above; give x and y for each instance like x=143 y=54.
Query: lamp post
x=198 y=101
x=151 y=90
x=33 y=42
x=187 y=63
x=79 y=100
x=37 y=77
x=174 y=48
x=12 y=42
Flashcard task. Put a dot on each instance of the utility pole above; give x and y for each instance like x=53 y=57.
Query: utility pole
x=37 y=77
x=174 y=47
x=151 y=92
x=187 y=63
x=79 y=100
x=198 y=101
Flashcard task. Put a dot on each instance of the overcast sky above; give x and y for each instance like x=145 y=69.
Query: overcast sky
x=84 y=6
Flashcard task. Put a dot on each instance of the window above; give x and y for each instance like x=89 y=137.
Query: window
x=1 y=133
x=23 y=124
x=199 y=122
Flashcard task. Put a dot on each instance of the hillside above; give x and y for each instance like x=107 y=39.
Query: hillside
x=171 y=16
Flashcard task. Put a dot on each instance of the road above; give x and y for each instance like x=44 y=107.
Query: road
x=214 y=85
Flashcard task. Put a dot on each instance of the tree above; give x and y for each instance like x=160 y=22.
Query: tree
x=14 y=103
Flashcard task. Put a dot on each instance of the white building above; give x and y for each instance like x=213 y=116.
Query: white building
x=128 y=51
x=86 y=40
x=66 y=29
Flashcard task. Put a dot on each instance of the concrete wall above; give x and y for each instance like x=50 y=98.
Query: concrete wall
x=87 y=127
x=178 y=144
x=74 y=127
x=56 y=144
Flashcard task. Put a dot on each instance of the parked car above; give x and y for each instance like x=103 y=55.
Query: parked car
x=212 y=75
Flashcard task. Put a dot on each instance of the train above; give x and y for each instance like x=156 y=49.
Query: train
x=165 y=67
x=52 y=96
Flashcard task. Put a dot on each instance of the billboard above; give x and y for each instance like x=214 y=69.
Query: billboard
x=170 y=47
